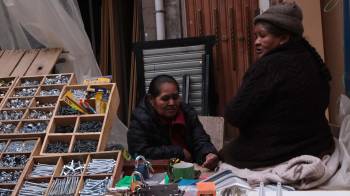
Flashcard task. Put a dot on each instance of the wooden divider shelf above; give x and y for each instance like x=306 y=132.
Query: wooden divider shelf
x=22 y=149
x=28 y=105
x=59 y=162
x=70 y=127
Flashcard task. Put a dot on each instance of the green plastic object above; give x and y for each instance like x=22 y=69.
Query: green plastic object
x=124 y=182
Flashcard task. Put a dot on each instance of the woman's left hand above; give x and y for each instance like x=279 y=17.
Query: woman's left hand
x=211 y=161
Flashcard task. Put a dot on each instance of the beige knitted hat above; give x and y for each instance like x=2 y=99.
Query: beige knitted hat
x=287 y=16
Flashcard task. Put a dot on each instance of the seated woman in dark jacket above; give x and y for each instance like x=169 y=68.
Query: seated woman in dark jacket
x=163 y=127
x=280 y=106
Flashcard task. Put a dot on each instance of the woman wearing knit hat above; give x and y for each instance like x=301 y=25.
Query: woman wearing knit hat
x=280 y=106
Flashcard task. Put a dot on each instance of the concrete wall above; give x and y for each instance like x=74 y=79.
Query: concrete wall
x=149 y=20
x=172 y=19
x=312 y=23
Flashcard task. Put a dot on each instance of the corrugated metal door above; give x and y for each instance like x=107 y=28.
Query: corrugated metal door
x=231 y=22
x=177 y=62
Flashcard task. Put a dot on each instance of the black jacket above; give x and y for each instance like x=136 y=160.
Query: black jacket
x=280 y=108
x=148 y=137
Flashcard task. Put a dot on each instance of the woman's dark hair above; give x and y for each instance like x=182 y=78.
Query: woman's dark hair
x=277 y=31
x=154 y=87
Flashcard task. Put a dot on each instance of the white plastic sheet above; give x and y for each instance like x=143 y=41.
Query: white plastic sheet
x=49 y=23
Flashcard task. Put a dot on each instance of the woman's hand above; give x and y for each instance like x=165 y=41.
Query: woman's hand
x=188 y=156
x=211 y=161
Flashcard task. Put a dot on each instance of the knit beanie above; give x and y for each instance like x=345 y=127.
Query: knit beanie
x=287 y=16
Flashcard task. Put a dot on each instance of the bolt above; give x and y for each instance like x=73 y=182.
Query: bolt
x=28 y=82
x=51 y=92
x=25 y=92
x=58 y=79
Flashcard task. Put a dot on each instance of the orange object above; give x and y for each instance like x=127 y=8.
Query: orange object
x=206 y=189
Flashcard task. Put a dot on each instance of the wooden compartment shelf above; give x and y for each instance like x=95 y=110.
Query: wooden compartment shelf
x=75 y=127
x=70 y=79
x=31 y=107
x=61 y=160
x=29 y=81
x=6 y=84
x=50 y=91
x=22 y=149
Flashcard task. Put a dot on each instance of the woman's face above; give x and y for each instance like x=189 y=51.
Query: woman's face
x=265 y=41
x=168 y=101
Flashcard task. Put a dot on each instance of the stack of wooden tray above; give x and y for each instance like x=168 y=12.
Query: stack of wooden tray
x=75 y=134
x=22 y=147
x=59 y=162
x=34 y=102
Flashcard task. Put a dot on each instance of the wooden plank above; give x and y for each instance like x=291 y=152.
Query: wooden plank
x=44 y=62
x=25 y=62
x=9 y=60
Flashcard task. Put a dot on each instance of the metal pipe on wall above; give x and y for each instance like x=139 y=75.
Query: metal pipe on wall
x=264 y=5
x=160 y=19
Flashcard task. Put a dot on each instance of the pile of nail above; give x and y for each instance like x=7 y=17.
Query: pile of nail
x=72 y=168
x=51 y=92
x=85 y=146
x=7 y=127
x=34 y=127
x=59 y=79
x=65 y=186
x=11 y=115
x=42 y=170
x=67 y=110
x=40 y=114
x=2 y=93
x=21 y=146
x=5 y=192
x=58 y=147
x=64 y=128
x=17 y=103
x=45 y=104
x=10 y=161
x=101 y=166
x=4 y=83
x=27 y=82
x=33 y=188
x=9 y=177
x=90 y=126
x=2 y=146
x=95 y=187
x=25 y=92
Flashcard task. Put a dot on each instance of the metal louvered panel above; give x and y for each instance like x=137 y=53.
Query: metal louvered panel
x=173 y=50
x=188 y=60
x=177 y=62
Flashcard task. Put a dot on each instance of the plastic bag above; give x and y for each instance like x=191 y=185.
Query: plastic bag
x=51 y=24
x=344 y=107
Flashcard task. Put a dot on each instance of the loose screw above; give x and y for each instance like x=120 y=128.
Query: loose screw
x=51 y=92
x=58 y=147
x=90 y=126
x=42 y=170
x=17 y=103
x=27 y=82
x=7 y=127
x=85 y=146
x=33 y=188
x=34 y=127
x=59 y=79
x=21 y=146
x=25 y=92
